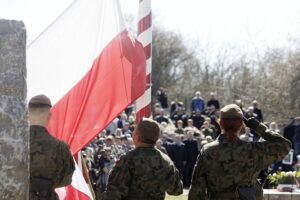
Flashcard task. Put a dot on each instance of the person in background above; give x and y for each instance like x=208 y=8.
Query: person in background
x=179 y=130
x=162 y=98
x=175 y=106
x=160 y=147
x=197 y=118
x=106 y=163
x=192 y=151
x=159 y=115
x=207 y=130
x=257 y=111
x=197 y=102
x=178 y=153
x=274 y=127
x=289 y=130
x=247 y=136
x=296 y=138
x=213 y=101
x=250 y=113
x=180 y=115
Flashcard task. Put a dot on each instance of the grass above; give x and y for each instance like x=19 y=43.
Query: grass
x=182 y=197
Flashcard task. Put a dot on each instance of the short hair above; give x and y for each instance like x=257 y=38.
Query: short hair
x=38 y=107
x=149 y=131
x=231 y=125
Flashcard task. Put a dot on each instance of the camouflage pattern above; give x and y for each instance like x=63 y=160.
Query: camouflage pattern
x=223 y=166
x=50 y=159
x=143 y=174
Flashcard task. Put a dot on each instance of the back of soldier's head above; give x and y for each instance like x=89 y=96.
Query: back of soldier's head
x=39 y=103
x=149 y=131
x=39 y=110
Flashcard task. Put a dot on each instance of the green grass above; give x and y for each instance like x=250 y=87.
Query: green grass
x=181 y=197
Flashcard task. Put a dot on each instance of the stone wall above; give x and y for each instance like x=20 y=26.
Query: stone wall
x=14 y=131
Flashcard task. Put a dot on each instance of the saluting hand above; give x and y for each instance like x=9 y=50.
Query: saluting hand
x=252 y=123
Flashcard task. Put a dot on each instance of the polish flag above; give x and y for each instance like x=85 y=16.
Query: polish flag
x=91 y=69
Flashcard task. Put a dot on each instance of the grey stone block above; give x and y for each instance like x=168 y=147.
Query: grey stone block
x=14 y=131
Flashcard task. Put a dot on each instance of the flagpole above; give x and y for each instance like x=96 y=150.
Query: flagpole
x=143 y=104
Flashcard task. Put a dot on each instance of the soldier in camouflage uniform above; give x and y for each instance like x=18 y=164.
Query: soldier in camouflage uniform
x=51 y=163
x=144 y=173
x=228 y=167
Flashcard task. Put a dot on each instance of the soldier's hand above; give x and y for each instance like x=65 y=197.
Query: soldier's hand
x=252 y=123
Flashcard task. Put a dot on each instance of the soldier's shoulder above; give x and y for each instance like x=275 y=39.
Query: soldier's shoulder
x=211 y=146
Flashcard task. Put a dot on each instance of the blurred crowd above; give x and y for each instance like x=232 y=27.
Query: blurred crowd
x=182 y=136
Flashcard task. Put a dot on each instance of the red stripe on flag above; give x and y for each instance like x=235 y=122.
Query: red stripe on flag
x=74 y=194
x=116 y=79
x=145 y=23
x=148 y=51
x=144 y=112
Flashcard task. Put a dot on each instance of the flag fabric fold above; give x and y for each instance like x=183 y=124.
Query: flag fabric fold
x=112 y=84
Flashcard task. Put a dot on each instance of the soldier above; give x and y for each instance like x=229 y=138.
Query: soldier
x=228 y=168
x=51 y=163
x=144 y=173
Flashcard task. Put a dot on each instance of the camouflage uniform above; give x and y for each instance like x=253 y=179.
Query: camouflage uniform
x=222 y=166
x=50 y=159
x=143 y=174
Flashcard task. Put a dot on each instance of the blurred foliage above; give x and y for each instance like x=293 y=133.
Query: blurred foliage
x=284 y=178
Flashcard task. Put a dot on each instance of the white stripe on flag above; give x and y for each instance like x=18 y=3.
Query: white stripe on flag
x=146 y=37
x=144 y=9
x=149 y=66
x=144 y=100
x=79 y=183
x=70 y=45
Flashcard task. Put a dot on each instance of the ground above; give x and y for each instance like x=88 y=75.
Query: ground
x=181 y=197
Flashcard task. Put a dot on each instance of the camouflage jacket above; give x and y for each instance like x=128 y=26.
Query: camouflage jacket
x=50 y=160
x=223 y=166
x=143 y=173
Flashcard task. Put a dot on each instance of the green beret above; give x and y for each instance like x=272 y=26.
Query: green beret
x=40 y=100
x=231 y=111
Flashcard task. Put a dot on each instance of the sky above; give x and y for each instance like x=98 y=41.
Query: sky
x=214 y=22
x=211 y=21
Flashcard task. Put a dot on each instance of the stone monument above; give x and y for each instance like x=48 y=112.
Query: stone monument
x=14 y=130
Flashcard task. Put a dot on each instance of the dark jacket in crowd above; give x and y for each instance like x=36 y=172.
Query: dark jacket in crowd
x=213 y=102
x=177 y=153
x=289 y=132
x=197 y=120
x=192 y=151
x=160 y=119
x=182 y=117
x=174 y=108
x=162 y=98
x=259 y=114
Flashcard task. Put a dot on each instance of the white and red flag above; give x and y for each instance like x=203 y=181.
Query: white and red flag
x=90 y=67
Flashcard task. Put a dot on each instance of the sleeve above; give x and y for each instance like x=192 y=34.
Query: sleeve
x=118 y=181
x=273 y=149
x=66 y=165
x=177 y=187
x=198 y=187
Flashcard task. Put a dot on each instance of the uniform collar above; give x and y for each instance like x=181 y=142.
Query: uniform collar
x=38 y=131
